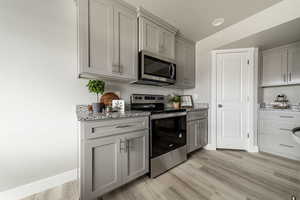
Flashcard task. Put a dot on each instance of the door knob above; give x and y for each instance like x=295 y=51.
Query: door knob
x=220 y=106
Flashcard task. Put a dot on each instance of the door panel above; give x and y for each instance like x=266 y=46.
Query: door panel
x=136 y=159
x=232 y=100
x=167 y=44
x=102 y=166
x=150 y=36
x=203 y=132
x=125 y=43
x=192 y=136
x=294 y=64
x=101 y=36
x=274 y=67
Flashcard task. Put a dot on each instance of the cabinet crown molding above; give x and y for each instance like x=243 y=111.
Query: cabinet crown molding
x=180 y=36
x=148 y=15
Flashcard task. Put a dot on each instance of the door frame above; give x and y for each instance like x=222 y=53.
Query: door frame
x=252 y=91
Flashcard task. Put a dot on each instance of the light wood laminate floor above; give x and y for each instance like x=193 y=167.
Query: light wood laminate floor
x=207 y=175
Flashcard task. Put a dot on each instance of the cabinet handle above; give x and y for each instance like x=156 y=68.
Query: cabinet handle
x=288 y=146
x=285 y=129
x=286 y=117
x=123 y=146
x=124 y=126
x=290 y=76
x=93 y=130
x=284 y=78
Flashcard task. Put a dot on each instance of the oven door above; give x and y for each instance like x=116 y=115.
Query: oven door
x=157 y=69
x=168 y=132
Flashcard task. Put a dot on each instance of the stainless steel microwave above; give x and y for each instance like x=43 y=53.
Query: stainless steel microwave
x=156 y=70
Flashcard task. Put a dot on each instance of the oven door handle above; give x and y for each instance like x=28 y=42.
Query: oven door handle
x=168 y=115
x=173 y=71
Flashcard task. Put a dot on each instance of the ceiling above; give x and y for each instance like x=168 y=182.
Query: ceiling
x=194 y=17
x=280 y=35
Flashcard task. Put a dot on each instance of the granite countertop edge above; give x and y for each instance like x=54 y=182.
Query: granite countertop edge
x=84 y=115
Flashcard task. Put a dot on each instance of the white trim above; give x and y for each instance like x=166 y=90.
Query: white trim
x=38 y=186
x=210 y=147
x=252 y=92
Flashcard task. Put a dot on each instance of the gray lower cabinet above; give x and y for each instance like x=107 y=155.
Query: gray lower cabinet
x=109 y=161
x=197 y=132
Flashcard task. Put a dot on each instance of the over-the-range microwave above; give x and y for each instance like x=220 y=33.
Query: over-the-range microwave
x=156 y=70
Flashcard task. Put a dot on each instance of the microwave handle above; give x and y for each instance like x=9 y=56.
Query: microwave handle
x=173 y=71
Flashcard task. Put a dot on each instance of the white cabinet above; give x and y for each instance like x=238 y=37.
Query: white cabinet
x=294 y=64
x=107 y=33
x=275 y=133
x=281 y=66
x=113 y=152
x=185 y=63
x=197 y=130
x=155 y=35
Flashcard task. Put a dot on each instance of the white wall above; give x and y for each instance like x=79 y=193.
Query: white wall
x=280 y=13
x=39 y=90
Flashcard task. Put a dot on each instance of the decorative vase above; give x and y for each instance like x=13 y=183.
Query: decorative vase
x=97 y=107
x=176 y=105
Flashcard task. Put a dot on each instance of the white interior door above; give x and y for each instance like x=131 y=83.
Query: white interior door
x=232 y=100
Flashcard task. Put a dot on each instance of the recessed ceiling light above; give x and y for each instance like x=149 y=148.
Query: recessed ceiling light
x=218 y=22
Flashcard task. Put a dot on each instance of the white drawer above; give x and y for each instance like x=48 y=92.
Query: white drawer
x=98 y=129
x=271 y=126
x=282 y=144
x=280 y=116
x=194 y=115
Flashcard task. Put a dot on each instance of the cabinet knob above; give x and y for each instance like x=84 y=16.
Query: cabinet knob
x=220 y=106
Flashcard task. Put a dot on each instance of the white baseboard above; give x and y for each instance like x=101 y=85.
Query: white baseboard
x=253 y=149
x=210 y=147
x=38 y=186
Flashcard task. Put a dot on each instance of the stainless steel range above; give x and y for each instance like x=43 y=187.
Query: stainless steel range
x=167 y=132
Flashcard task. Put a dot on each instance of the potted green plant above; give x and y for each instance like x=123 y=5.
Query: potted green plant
x=176 y=101
x=96 y=87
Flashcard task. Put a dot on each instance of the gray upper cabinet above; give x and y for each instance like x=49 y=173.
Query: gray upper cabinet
x=281 y=66
x=156 y=35
x=113 y=152
x=107 y=31
x=185 y=60
x=274 y=67
x=294 y=64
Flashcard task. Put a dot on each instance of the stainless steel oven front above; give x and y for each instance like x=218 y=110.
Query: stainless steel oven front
x=167 y=141
x=155 y=68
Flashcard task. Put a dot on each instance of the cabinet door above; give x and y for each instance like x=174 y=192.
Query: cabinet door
x=189 y=75
x=136 y=159
x=203 y=132
x=100 y=37
x=167 y=44
x=180 y=55
x=125 y=52
x=149 y=36
x=192 y=135
x=101 y=166
x=274 y=67
x=294 y=64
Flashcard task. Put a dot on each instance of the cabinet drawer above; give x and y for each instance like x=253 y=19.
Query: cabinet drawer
x=271 y=126
x=98 y=129
x=281 y=116
x=194 y=115
x=283 y=144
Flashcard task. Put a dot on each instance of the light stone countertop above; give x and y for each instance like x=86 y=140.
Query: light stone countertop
x=294 y=108
x=84 y=115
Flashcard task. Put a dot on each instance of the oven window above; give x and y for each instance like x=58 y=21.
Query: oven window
x=167 y=134
x=156 y=67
